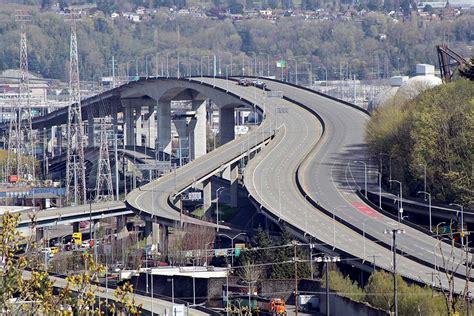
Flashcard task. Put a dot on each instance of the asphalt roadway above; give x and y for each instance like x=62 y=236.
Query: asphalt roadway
x=319 y=163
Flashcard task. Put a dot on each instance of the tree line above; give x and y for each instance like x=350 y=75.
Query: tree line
x=371 y=46
x=435 y=130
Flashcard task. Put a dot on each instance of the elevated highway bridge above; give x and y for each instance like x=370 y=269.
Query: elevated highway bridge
x=299 y=175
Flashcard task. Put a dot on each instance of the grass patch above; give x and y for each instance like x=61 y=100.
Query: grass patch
x=199 y=212
x=226 y=212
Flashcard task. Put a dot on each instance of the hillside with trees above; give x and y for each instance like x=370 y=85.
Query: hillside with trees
x=435 y=130
x=369 y=46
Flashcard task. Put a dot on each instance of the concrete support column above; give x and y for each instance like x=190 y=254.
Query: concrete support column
x=45 y=137
x=138 y=125
x=121 y=222
x=39 y=234
x=183 y=142
x=52 y=140
x=59 y=135
x=90 y=127
x=152 y=232
x=206 y=194
x=114 y=118
x=164 y=126
x=128 y=122
x=234 y=185
x=198 y=130
x=151 y=127
x=75 y=227
x=226 y=125
x=163 y=239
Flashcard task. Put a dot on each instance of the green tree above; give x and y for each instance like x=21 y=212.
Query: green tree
x=435 y=130
x=284 y=259
x=32 y=292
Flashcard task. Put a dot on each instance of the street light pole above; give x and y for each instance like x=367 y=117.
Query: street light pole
x=365 y=175
x=429 y=205
x=394 y=233
x=327 y=260
x=218 y=191
x=462 y=220
x=232 y=244
x=400 y=211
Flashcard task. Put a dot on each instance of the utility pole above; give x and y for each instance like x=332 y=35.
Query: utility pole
x=20 y=140
x=327 y=260
x=295 y=259
x=75 y=144
x=394 y=233
x=104 y=172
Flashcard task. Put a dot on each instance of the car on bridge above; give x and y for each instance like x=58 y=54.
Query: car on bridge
x=259 y=84
x=244 y=82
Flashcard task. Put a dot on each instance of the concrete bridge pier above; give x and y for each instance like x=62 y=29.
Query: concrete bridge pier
x=198 y=130
x=183 y=143
x=128 y=128
x=163 y=242
x=121 y=222
x=39 y=234
x=206 y=194
x=164 y=126
x=152 y=232
x=75 y=227
x=226 y=125
x=52 y=133
x=59 y=136
x=90 y=127
x=234 y=185
x=151 y=127
x=138 y=125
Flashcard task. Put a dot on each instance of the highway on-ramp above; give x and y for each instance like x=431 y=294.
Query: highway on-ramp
x=299 y=154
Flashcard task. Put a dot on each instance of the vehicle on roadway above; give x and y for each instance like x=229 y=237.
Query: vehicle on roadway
x=244 y=82
x=259 y=84
x=259 y=304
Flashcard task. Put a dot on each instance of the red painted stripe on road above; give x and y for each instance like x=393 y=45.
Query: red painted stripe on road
x=365 y=209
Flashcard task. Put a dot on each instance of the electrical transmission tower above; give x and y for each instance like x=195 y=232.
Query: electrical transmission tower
x=20 y=138
x=104 y=187
x=75 y=167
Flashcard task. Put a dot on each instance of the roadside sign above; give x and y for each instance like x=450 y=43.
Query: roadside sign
x=281 y=64
x=193 y=196
x=159 y=165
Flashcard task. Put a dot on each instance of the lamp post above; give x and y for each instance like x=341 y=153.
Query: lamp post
x=379 y=174
x=394 y=233
x=310 y=74
x=400 y=210
x=268 y=63
x=231 y=62
x=218 y=191
x=206 y=56
x=365 y=175
x=327 y=260
x=437 y=227
x=429 y=205
x=250 y=293
x=232 y=244
x=462 y=220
